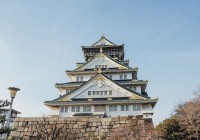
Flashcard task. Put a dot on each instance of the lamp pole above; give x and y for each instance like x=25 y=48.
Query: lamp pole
x=9 y=114
x=13 y=92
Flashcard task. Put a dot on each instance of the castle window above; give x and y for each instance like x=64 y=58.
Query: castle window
x=79 y=79
x=113 y=108
x=125 y=77
x=104 y=66
x=137 y=107
x=121 y=77
x=86 y=108
x=101 y=66
x=75 y=109
x=124 y=107
x=64 y=109
x=97 y=93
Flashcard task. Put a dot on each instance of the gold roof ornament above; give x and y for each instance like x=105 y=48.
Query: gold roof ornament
x=101 y=50
x=102 y=35
x=99 y=70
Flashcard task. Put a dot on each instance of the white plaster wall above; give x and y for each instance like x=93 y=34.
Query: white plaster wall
x=92 y=108
x=114 y=76
x=147 y=116
x=85 y=77
x=117 y=113
x=54 y=111
x=117 y=76
x=147 y=108
x=63 y=91
x=138 y=89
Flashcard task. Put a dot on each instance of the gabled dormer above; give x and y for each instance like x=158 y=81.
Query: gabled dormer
x=103 y=61
x=103 y=42
x=101 y=86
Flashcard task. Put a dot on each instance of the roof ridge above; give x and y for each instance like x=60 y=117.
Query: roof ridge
x=103 y=39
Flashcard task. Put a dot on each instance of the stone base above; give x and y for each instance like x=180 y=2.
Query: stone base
x=80 y=128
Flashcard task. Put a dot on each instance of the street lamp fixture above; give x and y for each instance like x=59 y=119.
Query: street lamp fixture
x=13 y=91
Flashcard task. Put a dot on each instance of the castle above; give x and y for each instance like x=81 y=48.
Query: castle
x=103 y=86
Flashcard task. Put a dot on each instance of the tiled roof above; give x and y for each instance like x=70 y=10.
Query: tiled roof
x=99 y=46
x=118 y=81
x=67 y=94
x=103 y=42
x=100 y=102
x=104 y=71
x=124 y=61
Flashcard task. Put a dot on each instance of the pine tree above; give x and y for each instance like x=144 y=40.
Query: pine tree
x=3 y=128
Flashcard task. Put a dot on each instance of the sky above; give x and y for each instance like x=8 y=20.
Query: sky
x=39 y=40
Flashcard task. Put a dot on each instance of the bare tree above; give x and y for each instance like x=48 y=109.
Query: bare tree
x=184 y=122
x=188 y=117
x=48 y=128
x=3 y=128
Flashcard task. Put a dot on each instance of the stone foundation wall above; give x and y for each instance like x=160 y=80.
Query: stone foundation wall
x=79 y=128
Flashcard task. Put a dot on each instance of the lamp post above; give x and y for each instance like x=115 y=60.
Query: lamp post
x=13 y=92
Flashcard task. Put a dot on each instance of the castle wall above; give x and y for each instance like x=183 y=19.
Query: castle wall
x=81 y=128
x=107 y=112
x=114 y=76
